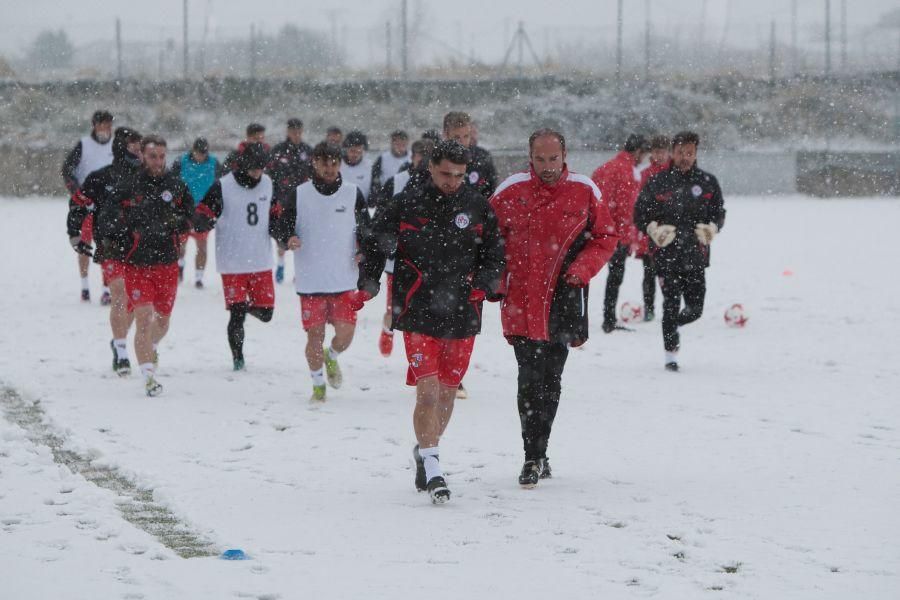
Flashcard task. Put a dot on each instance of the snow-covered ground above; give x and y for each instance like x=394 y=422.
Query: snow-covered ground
x=767 y=468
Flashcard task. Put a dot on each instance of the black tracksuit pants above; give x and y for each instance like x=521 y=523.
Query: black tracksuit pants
x=614 y=279
x=540 y=385
x=687 y=285
x=649 y=283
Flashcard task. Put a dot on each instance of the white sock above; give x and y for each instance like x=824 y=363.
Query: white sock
x=318 y=377
x=432 y=464
x=199 y=274
x=332 y=352
x=121 y=347
x=387 y=330
x=281 y=260
x=84 y=283
x=180 y=263
x=105 y=290
x=147 y=370
x=671 y=357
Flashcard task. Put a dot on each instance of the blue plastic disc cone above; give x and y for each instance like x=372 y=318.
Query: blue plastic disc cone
x=234 y=554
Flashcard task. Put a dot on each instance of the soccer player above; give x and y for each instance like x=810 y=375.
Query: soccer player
x=144 y=226
x=240 y=206
x=356 y=167
x=449 y=256
x=391 y=161
x=659 y=161
x=324 y=225
x=255 y=133
x=92 y=152
x=682 y=210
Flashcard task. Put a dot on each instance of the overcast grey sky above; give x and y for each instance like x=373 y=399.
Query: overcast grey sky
x=481 y=25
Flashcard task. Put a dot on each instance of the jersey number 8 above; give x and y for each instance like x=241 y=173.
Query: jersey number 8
x=252 y=214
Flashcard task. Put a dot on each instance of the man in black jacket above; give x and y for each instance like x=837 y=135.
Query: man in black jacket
x=144 y=226
x=449 y=256
x=98 y=190
x=682 y=210
x=480 y=171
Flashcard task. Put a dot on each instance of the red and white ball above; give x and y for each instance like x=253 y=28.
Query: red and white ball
x=736 y=316
x=631 y=313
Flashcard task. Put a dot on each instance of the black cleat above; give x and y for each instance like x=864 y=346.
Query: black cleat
x=421 y=485
x=649 y=316
x=672 y=366
x=610 y=327
x=544 y=465
x=85 y=295
x=198 y=284
x=530 y=474
x=123 y=367
x=437 y=489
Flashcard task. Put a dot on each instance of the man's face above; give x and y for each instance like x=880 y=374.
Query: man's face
x=416 y=160
x=684 y=156
x=354 y=154
x=295 y=134
x=659 y=156
x=154 y=158
x=255 y=174
x=639 y=156
x=103 y=131
x=399 y=146
x=548 y=158
x=447 y=176
x=327 y=169
x=335 y=139
x=199 y=157
x=258 y=137
x=134 y=148
x=462 y=134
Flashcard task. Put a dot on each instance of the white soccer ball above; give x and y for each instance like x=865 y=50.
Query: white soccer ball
x=736 y=316
x=631 y=313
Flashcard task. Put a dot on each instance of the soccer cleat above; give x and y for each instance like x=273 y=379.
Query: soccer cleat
x=279 y=273
x=438 y=490
x=105 y=299
x=122 y=367
x=85 y=295
x=198 y=284
x=649 y=316
x=238 y=364
x=318 y=394
x=544 y=465
x=420 y=470
x=530 y=474
x=672 y=366
x=112 y=346
x=333 y=371
x=386 y=343
x=461 y=393
x=610 y=327
x=153 y=387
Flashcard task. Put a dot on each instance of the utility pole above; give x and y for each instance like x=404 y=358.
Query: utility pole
x=647 y=41
x=844 y=36
x=388 y=51
x=795 y=61
x=404 y=42
x=252 y=51
x=827 y=38
x=619 y=20
x=185 y=39
x=772 y=71
x=118 y=49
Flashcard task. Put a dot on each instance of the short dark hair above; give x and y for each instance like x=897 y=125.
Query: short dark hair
x=253 y=156
x=254 y=128
x=152 y=140
x=685 y=137
x=432 y=135
x=101 y=116
x=126 y=135
x=399 y=134
x=295 y=123
x=546 y=131
x=455 y=119
x=660 y=141
x=324 y=150
x=334 y=129
x=201 y=145
x=356 y=138
x=451 y=150
x=636 y=142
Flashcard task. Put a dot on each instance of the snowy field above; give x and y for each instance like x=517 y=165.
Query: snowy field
x=768 y=468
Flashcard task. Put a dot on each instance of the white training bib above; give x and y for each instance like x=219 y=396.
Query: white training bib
x=390 y=165
x=94 y=156
x=325 y=263
x=359 y=175
x=243 y=244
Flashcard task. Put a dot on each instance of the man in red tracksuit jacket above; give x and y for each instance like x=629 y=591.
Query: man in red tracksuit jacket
x=620 y=187
x=558 y=235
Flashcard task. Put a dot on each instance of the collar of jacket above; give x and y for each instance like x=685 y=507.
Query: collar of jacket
x=245 y=181
x=327 y=189
x=690 y=173
x=439 y=198
x=150 y=179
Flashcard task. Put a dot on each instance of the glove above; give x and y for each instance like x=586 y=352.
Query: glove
x=575 y=281
x=662 y=235
x=357 y=299
x=81 y=247
x=706 y=232
x=477 y=295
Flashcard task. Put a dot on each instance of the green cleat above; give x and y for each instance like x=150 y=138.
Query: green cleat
x=318 y=394
x=153 y=387
x=333 y=371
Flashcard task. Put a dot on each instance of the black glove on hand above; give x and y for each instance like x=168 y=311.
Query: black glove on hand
x=81 y=247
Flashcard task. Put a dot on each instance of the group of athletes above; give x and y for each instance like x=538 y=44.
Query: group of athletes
x=431 y=215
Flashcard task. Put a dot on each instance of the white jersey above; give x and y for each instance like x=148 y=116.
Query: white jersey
x=243 y=244
x=359 y=175
x=325 y=263
x=94 y=156
x=390 y=165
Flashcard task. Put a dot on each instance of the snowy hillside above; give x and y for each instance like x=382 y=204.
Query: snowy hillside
x=767 y=468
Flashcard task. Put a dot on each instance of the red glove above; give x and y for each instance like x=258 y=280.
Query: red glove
x=575 y=281
x=477 y=295
x=357 y=299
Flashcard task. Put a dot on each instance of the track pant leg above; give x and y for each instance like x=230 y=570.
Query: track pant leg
x=540 y=385
x=614 y=279
x=694 y=293
x=670 y=284
x=649 y=283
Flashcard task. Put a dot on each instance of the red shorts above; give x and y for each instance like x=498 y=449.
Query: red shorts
x=256 y=289
x=448 y=359
x=319 y=309
x=197 y=235
x=154 y=284
x=87 y=229
x=113 y=269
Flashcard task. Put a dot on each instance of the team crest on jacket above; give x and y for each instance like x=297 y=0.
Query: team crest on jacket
x=462 y=220
x=417 y=359
x=136 y=295
x=167 y=196
x=696 y=191
x=473 y=177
